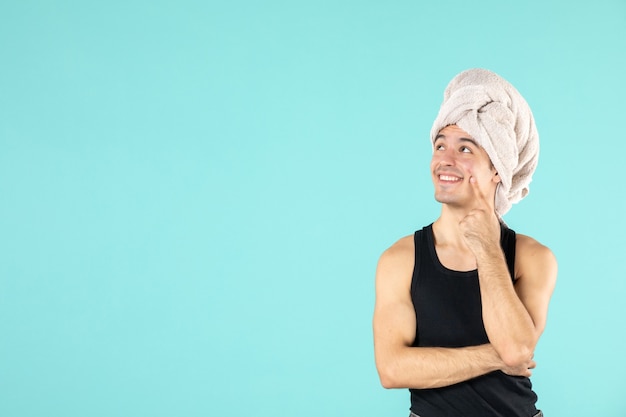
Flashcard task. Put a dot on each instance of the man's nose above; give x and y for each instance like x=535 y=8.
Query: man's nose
x=447 y=158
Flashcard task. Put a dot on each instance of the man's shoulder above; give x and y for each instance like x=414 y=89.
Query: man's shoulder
x=400 y=246
x=528 y=243
x=400 y=252
x=395 y=265
x=530 y=250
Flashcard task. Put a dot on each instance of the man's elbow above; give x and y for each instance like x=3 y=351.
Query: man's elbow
x=387 y=382
x=516 y=356
x=388 y=377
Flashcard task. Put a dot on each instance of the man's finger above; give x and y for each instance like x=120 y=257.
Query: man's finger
x=480 y=196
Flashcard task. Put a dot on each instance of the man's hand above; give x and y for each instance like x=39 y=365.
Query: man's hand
x=480 y=228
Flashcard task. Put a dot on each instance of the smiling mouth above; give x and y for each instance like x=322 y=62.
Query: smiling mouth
x=449 y=178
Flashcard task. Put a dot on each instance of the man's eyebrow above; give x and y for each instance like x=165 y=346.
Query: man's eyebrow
x=470 y=140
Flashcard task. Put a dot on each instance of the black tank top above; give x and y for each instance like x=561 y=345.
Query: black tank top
x=449 y=314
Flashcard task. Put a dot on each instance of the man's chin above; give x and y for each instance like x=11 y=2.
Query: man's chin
x=449 y=200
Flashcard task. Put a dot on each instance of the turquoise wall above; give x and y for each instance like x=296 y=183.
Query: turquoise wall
x=194 y=196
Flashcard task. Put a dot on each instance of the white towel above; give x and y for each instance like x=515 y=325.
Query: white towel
x=496 y=115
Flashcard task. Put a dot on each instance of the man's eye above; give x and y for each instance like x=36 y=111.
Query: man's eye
x=465 y=149
x=439 y=147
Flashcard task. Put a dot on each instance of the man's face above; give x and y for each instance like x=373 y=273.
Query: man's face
x=456 y=159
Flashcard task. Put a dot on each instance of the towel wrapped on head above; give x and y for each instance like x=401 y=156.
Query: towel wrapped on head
x=496 y=115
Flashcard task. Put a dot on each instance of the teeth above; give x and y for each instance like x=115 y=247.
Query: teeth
x=448 y=178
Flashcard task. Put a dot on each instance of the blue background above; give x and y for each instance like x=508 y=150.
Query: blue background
x=194 y=196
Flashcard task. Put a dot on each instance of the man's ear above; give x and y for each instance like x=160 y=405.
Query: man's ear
x=496 y=178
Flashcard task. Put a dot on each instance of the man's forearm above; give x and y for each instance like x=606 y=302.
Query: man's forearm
x=425 y=367
x=507 y=322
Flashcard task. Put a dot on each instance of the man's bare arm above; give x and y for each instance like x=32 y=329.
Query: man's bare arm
x=399 y=364
x=514 y=316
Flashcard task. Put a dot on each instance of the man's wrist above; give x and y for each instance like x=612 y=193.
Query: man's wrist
x=489 y=358
x=488 y=254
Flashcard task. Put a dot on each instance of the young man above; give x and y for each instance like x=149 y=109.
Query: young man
x=460 y=305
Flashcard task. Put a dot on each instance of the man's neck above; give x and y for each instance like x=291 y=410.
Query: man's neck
x=448 y=222
x=446 y=228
